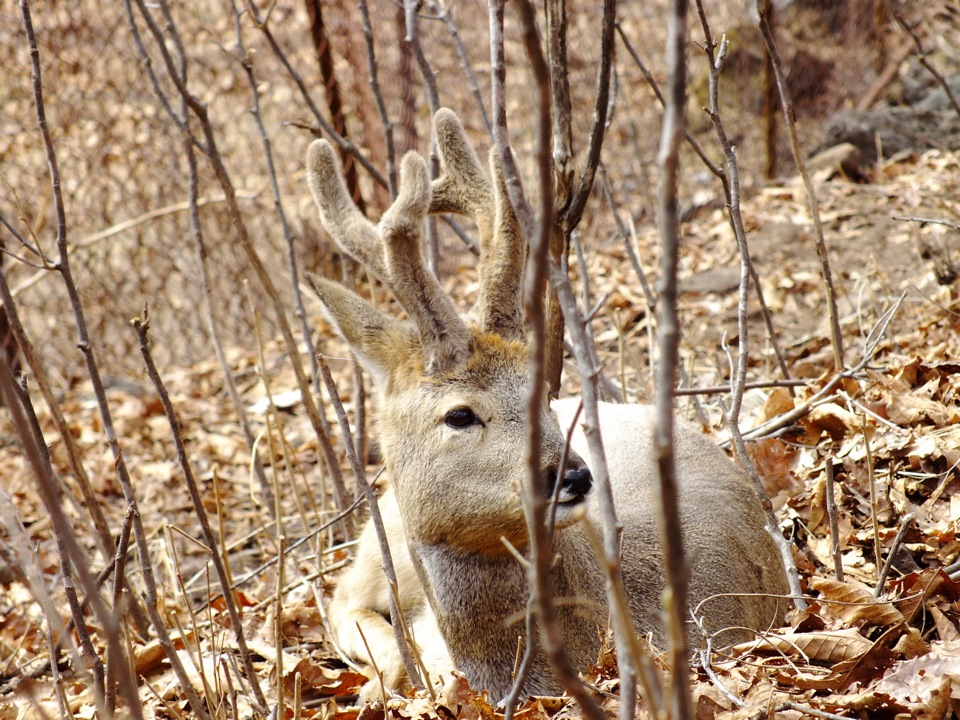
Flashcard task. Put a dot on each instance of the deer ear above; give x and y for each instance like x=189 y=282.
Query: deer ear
x=380 y=341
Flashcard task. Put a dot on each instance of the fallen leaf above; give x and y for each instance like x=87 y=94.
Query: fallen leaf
x=854 y=604
x=826 y=646
x=914 y=681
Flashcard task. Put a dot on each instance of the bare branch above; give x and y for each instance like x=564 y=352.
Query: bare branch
x=574 y=211
x=675 y=566
x=142 y=325
x=789 y=114
x=535 y=497
x=433 y=99
x=441 y=11
x=212 y=153
x=924 y=61
x=388 y=569
x=336 y=137
x=378 y=95
x=831 y=502
x=501 y=136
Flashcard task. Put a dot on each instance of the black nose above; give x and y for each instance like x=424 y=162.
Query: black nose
x=578 y=481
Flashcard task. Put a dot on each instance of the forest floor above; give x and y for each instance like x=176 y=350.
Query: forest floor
x=890 y=433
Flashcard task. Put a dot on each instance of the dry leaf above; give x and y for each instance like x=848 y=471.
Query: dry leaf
x=853 y=604
x=319 y=681
x=834 y=419
x=826 y=646
x=915 y=681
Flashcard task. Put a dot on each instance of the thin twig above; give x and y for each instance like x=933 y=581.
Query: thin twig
x=142 y=325
x=443 y=13
x=601 y=107
x=433 y=100
x=789 y=114
x=905 y=522
x=871 y=480
x=501 y=135
x=758 y=385
x=627 y=235
x=924 y=60
x=361 y=478
x=834 y=522
x=385 y=120
x=932 y=221
x=671 y=539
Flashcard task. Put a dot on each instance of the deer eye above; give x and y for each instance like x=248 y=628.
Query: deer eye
x=460 y=418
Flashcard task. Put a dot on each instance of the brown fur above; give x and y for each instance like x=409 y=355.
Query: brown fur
x=455 y=490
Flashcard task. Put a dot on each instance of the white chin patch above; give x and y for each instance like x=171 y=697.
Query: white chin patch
x=569 y=514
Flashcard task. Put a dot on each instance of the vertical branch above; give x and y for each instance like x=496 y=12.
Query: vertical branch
x=570 y=205
x=671 y=539
x=731 y=183
x=562 y=136
x=67 y=545
x=601 y=110
x=789 y=115
x=834 y=521
x=29 y=352
x=388 y=569
x=211 y=151
x=433 y=99
x=205 y=291
x=385 y=120
x=563 y=179
x=333 y=97
x=769 y=107
x=334 y=136
x=722 y=176
x=321 y=46
x=88 y=654
x=501 y=136
x=142 y=325
x=408 y=128
x=441 y=11
x=85 y=346
x=535 y=497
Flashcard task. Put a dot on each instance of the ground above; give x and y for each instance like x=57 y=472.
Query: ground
x=886 y=432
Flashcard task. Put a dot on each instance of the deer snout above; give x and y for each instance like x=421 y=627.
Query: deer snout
x=577 y=482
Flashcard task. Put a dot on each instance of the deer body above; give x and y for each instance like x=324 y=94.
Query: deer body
x=452 y=427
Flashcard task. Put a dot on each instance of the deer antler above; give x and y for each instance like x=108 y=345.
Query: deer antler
x=391 y=251
x=346 y=224
x=464 y=188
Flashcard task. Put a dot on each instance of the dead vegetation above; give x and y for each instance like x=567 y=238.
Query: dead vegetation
x=883 y=439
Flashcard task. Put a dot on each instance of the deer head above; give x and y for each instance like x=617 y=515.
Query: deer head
x=452 y=389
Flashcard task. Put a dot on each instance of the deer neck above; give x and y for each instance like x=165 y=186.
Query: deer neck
x=480 y=602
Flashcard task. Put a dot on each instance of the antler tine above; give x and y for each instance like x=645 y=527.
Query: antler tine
x=465 y=189
x=351 y=230
x=501 y=270
x=444 y=336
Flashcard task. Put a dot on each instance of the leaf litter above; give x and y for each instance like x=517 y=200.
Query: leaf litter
x=892 y=433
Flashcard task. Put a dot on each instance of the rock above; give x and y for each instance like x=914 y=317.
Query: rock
x=843 y=158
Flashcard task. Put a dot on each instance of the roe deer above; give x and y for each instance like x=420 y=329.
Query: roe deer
x=452 y=393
